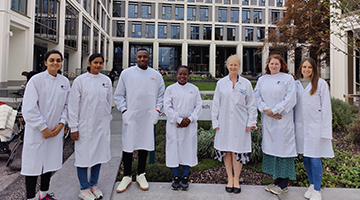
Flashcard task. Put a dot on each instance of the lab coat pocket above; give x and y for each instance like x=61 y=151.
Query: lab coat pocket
x=239 y=99
x=126 y=117
x=103 y=95
x=155 y=116
x=62 y=97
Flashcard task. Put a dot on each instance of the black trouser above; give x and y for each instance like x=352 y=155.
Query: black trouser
x=30 y=182
x=282 y=182
x=127 y=159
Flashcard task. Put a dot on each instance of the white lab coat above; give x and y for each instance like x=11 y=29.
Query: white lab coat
x=44 y=106
x=141 y=93
x=313 y=121
x=233 y=109
x=278 y=93
x=90 y=102
x=181 y=101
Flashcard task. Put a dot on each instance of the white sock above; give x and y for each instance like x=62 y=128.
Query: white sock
x=43 y=193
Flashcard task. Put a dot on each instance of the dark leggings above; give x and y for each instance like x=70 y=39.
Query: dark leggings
x=127 y=159
x=282 y=182
x=30 y=182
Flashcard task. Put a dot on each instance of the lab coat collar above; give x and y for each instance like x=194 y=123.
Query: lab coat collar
x=302 y=89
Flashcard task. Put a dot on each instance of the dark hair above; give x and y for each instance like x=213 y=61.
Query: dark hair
x=183 y=66
x=282 y=63
x=314 y=78
x=47 y=54
x=142 y=49
x=92 y=57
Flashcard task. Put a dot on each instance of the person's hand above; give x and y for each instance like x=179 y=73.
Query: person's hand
x=277 y=116
x=46 y=133
x=56 y=130
x=184 y=123
x=250 y=127
x=74 y=135
x=269 y=112
x=123 y=111
x=217 y=128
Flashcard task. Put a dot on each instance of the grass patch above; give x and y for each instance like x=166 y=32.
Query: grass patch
x=207 y=164
x=267 y=181
x=203 y=86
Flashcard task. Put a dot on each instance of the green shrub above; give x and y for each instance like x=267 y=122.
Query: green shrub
x=160 y=127
x=207 y=164
x=206 y=125
x=354 y=131
x=160 y=142
x=206 y=143
x=257 y=168
x=342 y=114
x=256 y=139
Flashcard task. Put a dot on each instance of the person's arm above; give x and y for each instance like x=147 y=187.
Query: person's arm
x=251 y=106
x=215 y=110
x=74 y=105
x=169 y=110
x=120 y=94
x=160 y=93
x=194 y=116
x=289 y=101
x=326 y=114
x=261 y=105
x=31 y=107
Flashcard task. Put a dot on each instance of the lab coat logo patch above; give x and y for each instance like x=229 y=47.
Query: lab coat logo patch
x=280 y=82
x=105 y=85
x=153 y=79
x=63 y=87
x=242 y=91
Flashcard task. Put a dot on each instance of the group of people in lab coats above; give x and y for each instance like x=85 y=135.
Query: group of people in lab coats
x=140 y=94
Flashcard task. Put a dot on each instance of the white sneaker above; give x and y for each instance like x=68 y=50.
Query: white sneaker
x=316 y=195
x=309 y=191
x=124 y=184
x=141 y=181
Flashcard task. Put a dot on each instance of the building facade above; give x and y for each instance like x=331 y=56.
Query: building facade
x=197 y=33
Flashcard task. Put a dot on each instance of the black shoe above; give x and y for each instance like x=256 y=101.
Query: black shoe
x=175 y=185
x=184 y=183
x=237 y=190
x=229 y=189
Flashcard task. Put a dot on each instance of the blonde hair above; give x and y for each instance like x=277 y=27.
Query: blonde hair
x=236 y=57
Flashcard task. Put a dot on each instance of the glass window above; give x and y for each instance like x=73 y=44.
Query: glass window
x=179 y=12
x=85 y=36
x=249 y=32
x=279 y=3
x=117 y=9
x=46 y=19
x=169 y=57
x=208 y=1
x=150 y=30
x=246 y=16
x=191 y=13
x=207 y=33
x=231 y=31
x=257 y=16
x=71 y=27
x=194 y=29
x=190 y=0
x=120 y=29
x=133 y=49
x=275 y=16
x=136 y=30
x=19 y=5
x=204 y=14
x=175 y=31
x=87 y=5
x=166 y=12
x=133 y=10
x=146 y=11
x=118 y=56
x=222 y=14
x=261 y=2
x=227 y=2
x=162 y=31
x=96 y=40
x=245 y=2
x=252 y=61
x=198 y=59
x=219 y=32
x=234 y=15
x=260 y=34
